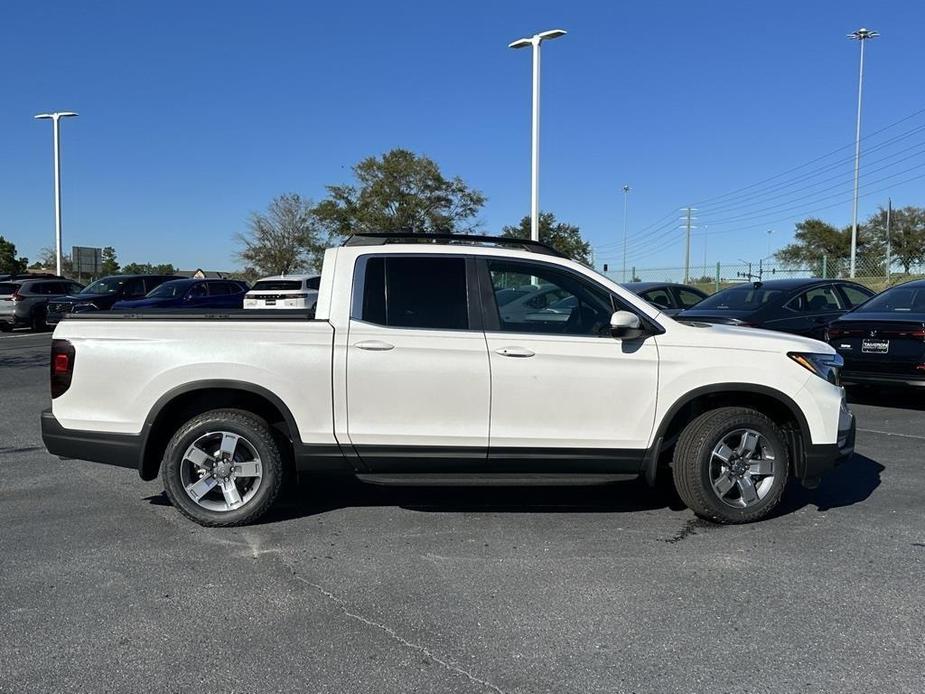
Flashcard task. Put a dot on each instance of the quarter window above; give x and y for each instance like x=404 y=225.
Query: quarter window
x=415 y=292
x=581 y=309
x=854 y=295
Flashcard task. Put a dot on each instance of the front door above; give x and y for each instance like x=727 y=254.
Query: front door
x=565 y=393
x=809 y=312
x=418 y=390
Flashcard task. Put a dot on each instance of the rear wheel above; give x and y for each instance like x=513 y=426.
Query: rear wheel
x=223 y=468
x=731 y=465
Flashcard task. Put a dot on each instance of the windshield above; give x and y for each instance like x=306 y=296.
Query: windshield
x=896 y=300
x=107 y=285
x=746 y=298
x=277 y=285
x=168 y=290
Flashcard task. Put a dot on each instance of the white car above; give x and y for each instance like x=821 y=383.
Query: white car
x=407 y=373
x=284 y=291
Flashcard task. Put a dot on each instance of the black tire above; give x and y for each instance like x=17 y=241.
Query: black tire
x=38 y=320
x=5 y=327
x=694 y=454
x=257 y=434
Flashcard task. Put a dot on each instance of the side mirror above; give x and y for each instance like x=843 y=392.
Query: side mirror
x=626 y=326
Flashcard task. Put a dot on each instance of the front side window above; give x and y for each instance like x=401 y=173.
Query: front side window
x=414 y=292
x=581 y=308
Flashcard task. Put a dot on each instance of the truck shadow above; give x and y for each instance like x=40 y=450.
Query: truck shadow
x=850 y=483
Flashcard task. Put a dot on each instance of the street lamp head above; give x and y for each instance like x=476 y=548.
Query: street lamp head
x=551 y=34
x=520 y=43
x=863 y=34
x=54 y=116
x=537 y=38
x=626 y=189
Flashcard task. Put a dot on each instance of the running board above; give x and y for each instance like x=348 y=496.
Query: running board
x=487 y=479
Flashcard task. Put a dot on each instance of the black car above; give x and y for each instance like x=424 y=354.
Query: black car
x=799 y=306
x=671 y=298
x=102 y=294
x=883 y=340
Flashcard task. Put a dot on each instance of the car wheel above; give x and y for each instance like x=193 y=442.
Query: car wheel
x=731 y=465
x=38 y=320
x=223 y=468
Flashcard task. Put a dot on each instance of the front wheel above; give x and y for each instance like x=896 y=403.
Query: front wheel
x=223 y=468
x=731 y=465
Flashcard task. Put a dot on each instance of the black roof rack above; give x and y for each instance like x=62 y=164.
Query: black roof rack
x=379 y=239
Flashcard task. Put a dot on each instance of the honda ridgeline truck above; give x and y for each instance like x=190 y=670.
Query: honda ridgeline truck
x=416 y=368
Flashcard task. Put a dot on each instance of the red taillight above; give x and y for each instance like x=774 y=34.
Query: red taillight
x=62 y=366
x=16 y=296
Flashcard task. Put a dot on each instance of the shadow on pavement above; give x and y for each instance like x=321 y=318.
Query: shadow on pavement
x=850 y=483
x=898 y=398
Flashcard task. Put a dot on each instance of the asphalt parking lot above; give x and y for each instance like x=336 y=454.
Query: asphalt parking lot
x=346 y=588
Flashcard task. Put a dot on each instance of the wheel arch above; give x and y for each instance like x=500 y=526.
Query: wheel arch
x=184 y=402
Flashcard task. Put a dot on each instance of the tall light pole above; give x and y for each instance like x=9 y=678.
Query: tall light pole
x=535 y=41
x=626 y=195
x=861 y=36
x=55 y=119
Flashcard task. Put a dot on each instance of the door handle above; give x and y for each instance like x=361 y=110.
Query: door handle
x=521 y=352
x=374 y=346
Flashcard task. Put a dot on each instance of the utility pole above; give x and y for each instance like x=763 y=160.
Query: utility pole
x=889 y=214
x=687 y=244
x=626 y=195
x=861 y=36
x=55 y=119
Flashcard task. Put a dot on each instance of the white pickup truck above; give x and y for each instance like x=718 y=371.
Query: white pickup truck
x=408 y=372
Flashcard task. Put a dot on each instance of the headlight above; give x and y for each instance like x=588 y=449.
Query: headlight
x=826 y=366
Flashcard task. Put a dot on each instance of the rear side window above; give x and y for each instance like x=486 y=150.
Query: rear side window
x=277 y=285
x=658 y=297
x=854 y=295
x=7 y=288
x=689 y=298
x=415 y=292
x=135 y=287
x=818 y=300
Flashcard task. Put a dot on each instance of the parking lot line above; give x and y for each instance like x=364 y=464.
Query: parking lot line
x=892 y=433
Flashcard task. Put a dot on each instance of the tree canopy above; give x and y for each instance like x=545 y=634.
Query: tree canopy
x=399 y=192
x=565 y=238
x=148 y=269
x=10 y=264
x=284 y=239
x=907 y=235
x=110 y=265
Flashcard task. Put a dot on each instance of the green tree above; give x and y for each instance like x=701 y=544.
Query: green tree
x=9 y=263
x=400 y=192
x=148 y=269
x=283 y=240
x=565 y=238
x=907 y=235
x=815 y=240
x=110 y=266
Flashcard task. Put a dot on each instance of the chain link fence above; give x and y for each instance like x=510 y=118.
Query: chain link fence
x=712 y=278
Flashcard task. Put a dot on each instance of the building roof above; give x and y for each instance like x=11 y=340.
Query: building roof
x=199 y=273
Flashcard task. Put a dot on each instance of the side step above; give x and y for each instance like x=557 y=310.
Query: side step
x=436 y=479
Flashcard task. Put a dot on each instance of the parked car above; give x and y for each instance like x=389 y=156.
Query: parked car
x=518 y=304
x=189 y=294
x=24 y=302
x=798 y=306
x=407 y=373
x=284 y=291
x=102 y=294
x=670 y=297
x=883 y=340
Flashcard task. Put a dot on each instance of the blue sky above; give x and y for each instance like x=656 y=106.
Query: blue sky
x=192 y=115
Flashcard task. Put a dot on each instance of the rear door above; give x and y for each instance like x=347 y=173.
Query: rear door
x=808 y=312
x=565 y=391
x=418 y=388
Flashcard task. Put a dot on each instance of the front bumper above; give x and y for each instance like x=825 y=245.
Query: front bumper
x=820 y=458
x=122 y=450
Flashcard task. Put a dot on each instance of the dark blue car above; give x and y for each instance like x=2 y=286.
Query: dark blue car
x=190 y=294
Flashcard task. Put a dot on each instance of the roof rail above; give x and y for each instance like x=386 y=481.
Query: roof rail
x=380 y=239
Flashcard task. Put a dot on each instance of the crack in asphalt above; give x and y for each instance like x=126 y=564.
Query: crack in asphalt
x=342 y=604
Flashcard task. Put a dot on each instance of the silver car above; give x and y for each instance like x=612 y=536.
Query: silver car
x=24 y=302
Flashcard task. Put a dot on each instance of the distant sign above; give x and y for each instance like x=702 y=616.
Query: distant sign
x=87 y=261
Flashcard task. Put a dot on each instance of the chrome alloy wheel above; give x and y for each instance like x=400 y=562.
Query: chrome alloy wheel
x=221 y=471
x=742 y=468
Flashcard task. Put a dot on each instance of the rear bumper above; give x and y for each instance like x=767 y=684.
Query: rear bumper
x=820 y=458
x=122 y=450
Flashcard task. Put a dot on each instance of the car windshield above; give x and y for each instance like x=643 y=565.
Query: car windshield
x=7 y=288
x=748 y=298
x=168 y=290
x=107 y=285
x=896 y=300
x=277 y=285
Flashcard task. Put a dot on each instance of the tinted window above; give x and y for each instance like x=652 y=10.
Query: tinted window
x=313 y=283
x=152 y=282
x=217 y=288
x=107 y=285
x=415 y=292
x=897 y=300
x=582 y=308
x=168 y=290
x=73 y=288
x=818 y=300
x=658 y=297
x=855 y=296
x=277 y=285
x=689 y=298
x=198 y=291
x=134 y=287
x=747 y=298
x=7 y=288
